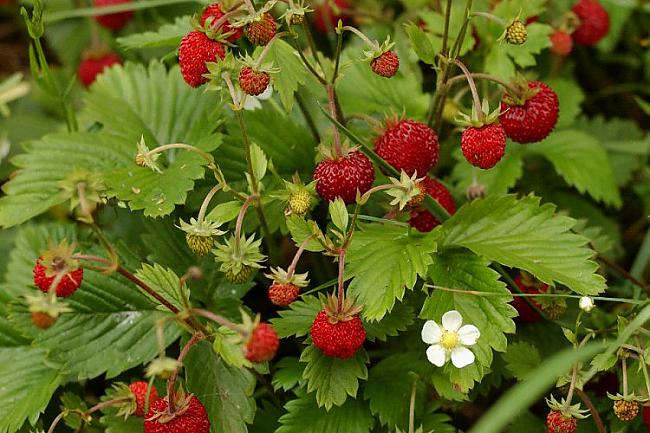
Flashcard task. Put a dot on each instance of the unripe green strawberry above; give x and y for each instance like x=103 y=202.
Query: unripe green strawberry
x=516 y=33
x=240 y=277
x=200 y=245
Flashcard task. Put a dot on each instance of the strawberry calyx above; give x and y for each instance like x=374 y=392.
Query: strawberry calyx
x=296 y=12
x=630 y=397
x=341 y=311
x=519 y=92
x=280 y=276
x=478 y=119
x=567 y=411
x=58 y=260
x=181 y=405
x=216 y=33
x=330 y=152
x=45 y=309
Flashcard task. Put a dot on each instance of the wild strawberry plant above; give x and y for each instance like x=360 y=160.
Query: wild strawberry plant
x=326 y=217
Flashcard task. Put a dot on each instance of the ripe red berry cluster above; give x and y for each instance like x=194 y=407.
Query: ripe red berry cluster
x=339 y=340
x=262 y=343
x=344 y=176
x=139 y=390
x=192 y=419
x=93 y=65
x=408 y=145
x=533 y=120
x=421 y=219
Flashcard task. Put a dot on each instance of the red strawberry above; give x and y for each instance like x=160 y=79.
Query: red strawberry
x=191 y=418
x=527 y=314
x=92 y=65
x=483 y=147
x=261 y=31
x=195 y=51
x=45 y=273
x=262 y=343
x=324 y=17
x=562 y=44
x=421 y=218
x=408 y=145
x=115 y=21
x=139 y=390
x=342 y=177
x=253 y=82
x=646 y=417
x=558 y=423
x=214 y=11
x=594 y=22
x=283 y=294
x=386 y=65
x=340 y=339
x=531 y=118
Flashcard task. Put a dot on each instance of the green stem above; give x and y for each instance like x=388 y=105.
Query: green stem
x=624 y=373
x=311 y=43
x=644 y=367
x=482 y=76
x=171 y=383
x=373 y=45
x=240 y=218
x=206 y=202
x=572 y=386
x=301 y=249
x=490 y=17
x=339 y=48
x=412 y=407
x=310 y=121
x=341 y=289
x=445 y=34
x=121 y=7
x=332 y=108
x=219 y=319
x=267 y=49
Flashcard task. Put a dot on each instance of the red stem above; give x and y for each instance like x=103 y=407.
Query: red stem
x=296 y=257
x=341 y=289
x=171 y=383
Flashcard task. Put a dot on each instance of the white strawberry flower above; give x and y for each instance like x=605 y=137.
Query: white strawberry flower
x=586 y=304
x=450 y=340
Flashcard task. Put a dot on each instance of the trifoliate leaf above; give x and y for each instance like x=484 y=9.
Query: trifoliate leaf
x=165 y=282
x=521 y=358
x=490 y=312
x=333 y=379
x=522 y=234
x=384 y=260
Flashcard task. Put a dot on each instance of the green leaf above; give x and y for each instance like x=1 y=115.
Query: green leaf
x=35 y=187
x=383 y=261
x=333 y=379
x=227 y=344
x=571 y=98
x=520 y=233
x=292 y=72
x=304 y=416
x=363 y=91
x=298 y=318
x=259 y=161
x=421 y=44
x=399 y=319
x=522 y=358
x=288 y=372
x=224 y=212
x=165 y=282
x=301 y=230
x=167 y=35
x=117 y=424
x=178 y=115
x=460 y=269
x=27 y=382
x=393 y=374
x=577 y=156
x=435 y=24
x=226 y=392
x=339 y=214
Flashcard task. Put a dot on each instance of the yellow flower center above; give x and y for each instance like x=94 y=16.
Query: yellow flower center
x=449 y=340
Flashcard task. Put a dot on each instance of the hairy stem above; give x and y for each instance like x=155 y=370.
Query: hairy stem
x=414 y=390
x=171 y=383
x=472 y=86
x=592 y=409
x=332 y=109
x=206 y=202
x=373 y=45
x=218 y=319
x=296 y=257
x=341 y=289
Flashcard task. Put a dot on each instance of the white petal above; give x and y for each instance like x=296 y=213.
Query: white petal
x=461 y=357
x=266 y=94
x=431 y=332
x=452 y=320
x=468 y=335
x=436 y=355
x=252 y=103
